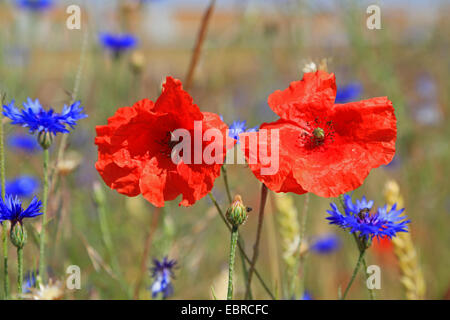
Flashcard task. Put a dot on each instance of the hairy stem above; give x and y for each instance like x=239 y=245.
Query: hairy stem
x=262 y=206
x=73 y=95
x=355 y=272
x=302 y=237
x=241 y=247
x=227 y=186
x=145 y=254
x=234 y=238
x=106 y=237
x=371 y=292
x=44 y=220
x=361 y=247
x=19 y=270
x=4 y=223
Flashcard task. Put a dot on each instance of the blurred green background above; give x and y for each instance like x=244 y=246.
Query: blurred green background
x=252 y=48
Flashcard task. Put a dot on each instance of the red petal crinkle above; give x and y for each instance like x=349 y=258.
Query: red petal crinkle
x=306 y=98
x=282 y=180
x=119 y=168
x=360 y=136
x=132 y=149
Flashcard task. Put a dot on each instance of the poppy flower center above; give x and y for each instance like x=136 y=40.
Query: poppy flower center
x=317 y=133
x=167 y=144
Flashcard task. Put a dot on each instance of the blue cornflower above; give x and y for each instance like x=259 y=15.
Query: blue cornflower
x=11 y=209
x=34 y=117
x=426 y=107
x=238 y=127
x=348 y=93
x=325 y=244
x=359 y=205
x=35 y=5
x=426 y=87
x=23 y=186
x=23 y=142
x=358 y=219
x=307 y=296
x=162 y=273
x=118 y=43
x=29 y=281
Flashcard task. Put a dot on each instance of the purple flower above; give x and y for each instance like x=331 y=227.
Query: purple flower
x=162 y=273
x=358 y=219
x=348 y=93
x=11 y=209
x=23 y=186
x=118 y=43
x=307 y=296
x=34 y=117
x=34 y=5
x=238 y=127
x=23 y=142
x=325 y=244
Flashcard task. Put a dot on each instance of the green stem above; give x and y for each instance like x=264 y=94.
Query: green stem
x=3 y=191
x=361 y=247
x=262 y=206
x=358 y=264
x=227 y=188
x=19 y=270
x=241 y=248
x=371 y=293
x=44 y=220
x=5 y=259
x=225 y=180
x=302 y=258
x=234 y=238
x=106 y=236
x=244 y=266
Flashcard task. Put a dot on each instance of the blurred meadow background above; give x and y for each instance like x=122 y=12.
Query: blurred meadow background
x=251 y=48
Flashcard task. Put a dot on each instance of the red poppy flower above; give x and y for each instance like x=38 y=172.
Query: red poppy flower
x=134 y=148
x=324 y=148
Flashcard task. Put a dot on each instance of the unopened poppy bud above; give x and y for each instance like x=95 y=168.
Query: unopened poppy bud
x=45 y=139
x=237 y=212
x=18 y=235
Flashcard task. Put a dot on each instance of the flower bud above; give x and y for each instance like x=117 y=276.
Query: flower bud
x=137 y=62
x=18 y=235
x=237 y=212
x=45 y=139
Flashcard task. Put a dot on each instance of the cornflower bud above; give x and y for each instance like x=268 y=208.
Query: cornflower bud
x=45 y=139
x=237 y=212
x=18 y=235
